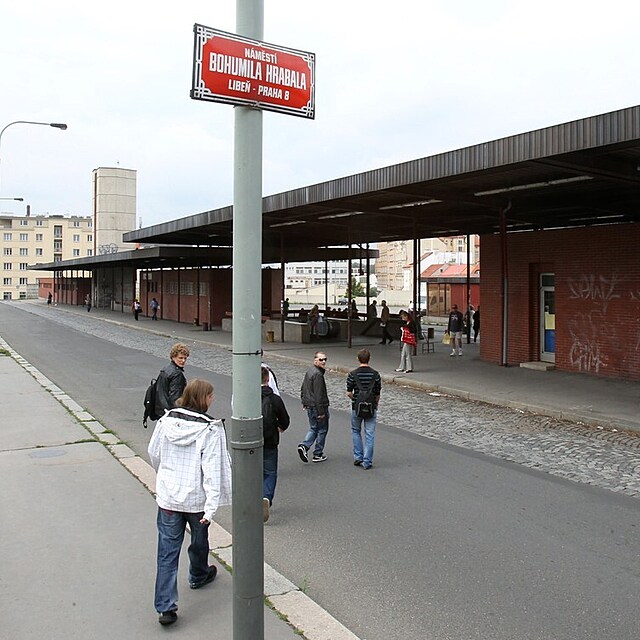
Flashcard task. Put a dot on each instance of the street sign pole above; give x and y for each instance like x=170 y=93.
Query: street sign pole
x=246 y=421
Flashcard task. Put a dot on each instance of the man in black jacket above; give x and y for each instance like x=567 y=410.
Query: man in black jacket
x=171 y=380
x=315 y=400
x=275 y=420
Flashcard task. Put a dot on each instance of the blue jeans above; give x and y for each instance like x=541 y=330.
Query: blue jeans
x=269 y=472
x=171 y=528
x=369 y=436
x=318 y=429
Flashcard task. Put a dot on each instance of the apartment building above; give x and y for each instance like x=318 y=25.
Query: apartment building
x=27 y=240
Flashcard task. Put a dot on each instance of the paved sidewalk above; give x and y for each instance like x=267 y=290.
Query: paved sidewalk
x=594 y=401
x=79 y=537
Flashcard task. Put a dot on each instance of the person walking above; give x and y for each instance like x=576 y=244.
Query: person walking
x=188 y=450
x=49 y=298
x=155 y=305
x=476 y=324
x=314 y=316
x=363 y=386
x=315 y=400
x=87 y=302
x=275 y=420
x=384 y=323
x=409 y=341
x=136 y=307
x=171 y=379
x=454 y=329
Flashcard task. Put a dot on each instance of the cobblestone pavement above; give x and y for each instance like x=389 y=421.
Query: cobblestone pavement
x=603 y=458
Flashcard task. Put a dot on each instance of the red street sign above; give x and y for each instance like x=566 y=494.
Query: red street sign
x=236 y=70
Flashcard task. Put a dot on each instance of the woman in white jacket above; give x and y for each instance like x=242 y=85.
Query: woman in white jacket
x=188 y=450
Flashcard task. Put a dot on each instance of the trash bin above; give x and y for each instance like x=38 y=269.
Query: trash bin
x=205 y=326
x=270 y=336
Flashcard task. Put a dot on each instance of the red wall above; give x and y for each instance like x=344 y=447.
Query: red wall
x=597 y=293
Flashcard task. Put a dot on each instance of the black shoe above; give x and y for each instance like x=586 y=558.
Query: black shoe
x=168 y=617
x=213 y=571
x=367 y=468
x=390 y=340
x=303 y=453
x=319 y=458
x=357 y=463
x=382 y=343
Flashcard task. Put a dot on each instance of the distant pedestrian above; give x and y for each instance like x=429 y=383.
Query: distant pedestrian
x=354 y=310
x=363 y=383
x=384 y=323
x=476 y=324
x=314 y=316
x=154 y=305
x=136 y=308
x=87 y=302
x=275 y=420
x=285 y=307
x=171 y=380
x=188 y=450
x=49 y=298
x=409 y=341
x=454 y=329
x=372 y=311
x=315 y=400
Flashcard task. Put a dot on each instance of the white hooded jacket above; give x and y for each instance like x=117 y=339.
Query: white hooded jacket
x=189 y=452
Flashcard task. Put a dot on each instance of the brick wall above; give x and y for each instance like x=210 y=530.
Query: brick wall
x=597 y=293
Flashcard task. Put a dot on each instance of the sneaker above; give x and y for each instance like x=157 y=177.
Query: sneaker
x=303 y=453
x=460 y=352
x=357 y=463
x=366 y=468
x=409 y=371
x=168 y=617
x=265 y=509
x=453 y=353
x=213 y=571
x=319 y=458
x=400 y=370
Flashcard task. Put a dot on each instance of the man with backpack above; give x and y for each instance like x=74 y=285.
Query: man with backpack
x=275 y=420
x=363 y=388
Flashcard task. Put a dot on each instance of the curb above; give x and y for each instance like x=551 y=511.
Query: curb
x=299 y=610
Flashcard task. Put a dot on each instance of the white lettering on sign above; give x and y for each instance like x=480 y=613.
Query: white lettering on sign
x=270 y=92
x=257 y=54
x=286 y=77
x=239 y=85
x=233 y=66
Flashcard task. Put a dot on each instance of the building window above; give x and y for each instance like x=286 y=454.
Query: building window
x=24 y=223
x=89 y=223
x=24 y=251
x=24 y=266
x=57 y=257
x=89 y=238
x=76 y=237
x=38 y=252
x=57 y=231
x=57 y=245
x=76 y=223
x=7 y=237
x=89 y=252
x=7 y=266
x=23 y=295
x=24 y=237
x=24 y=280
x=6 y=281
x=7 y=251
x=6 y=295
x=76 y=253
x=38 y=237
x=38 y=223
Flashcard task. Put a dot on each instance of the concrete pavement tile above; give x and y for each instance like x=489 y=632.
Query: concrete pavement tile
x=121 y=451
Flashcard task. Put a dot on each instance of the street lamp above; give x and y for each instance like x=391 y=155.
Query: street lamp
x=55 y=125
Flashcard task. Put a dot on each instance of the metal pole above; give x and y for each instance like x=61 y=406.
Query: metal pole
x=246 y=421
x=468 y=312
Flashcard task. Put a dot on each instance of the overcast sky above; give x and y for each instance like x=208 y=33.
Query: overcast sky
x=395 y=81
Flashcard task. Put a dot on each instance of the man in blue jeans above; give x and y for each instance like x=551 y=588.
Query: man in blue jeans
x=315 y=400
x=363 y=383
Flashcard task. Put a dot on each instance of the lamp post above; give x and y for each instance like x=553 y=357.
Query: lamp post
x=55 y=125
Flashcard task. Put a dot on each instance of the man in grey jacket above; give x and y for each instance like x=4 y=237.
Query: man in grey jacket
x=315 y=400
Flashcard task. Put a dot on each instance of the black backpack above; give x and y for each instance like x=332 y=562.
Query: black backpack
x=366 y=400
x=150 y=403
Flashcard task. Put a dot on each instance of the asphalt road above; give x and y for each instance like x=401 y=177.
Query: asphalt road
x=435 y=542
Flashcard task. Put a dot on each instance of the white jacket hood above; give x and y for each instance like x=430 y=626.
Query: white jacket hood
x=183 y=427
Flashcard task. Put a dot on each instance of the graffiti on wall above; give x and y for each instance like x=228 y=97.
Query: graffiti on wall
x=595 y=331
